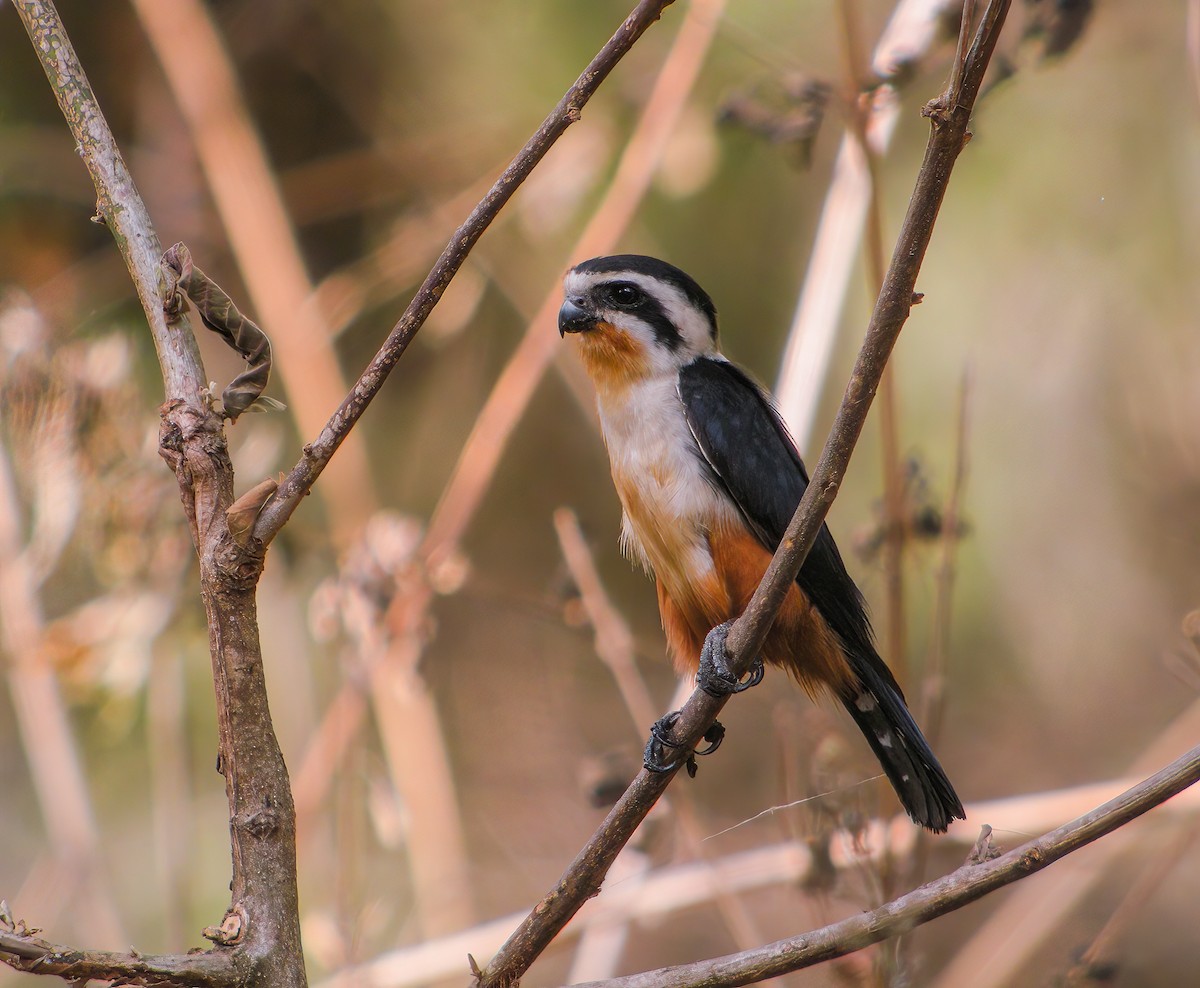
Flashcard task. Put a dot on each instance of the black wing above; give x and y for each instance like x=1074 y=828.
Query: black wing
x=753 y=460
x=752 y=455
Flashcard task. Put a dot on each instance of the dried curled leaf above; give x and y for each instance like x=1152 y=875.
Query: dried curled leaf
x=242 y=514
x=218 y=313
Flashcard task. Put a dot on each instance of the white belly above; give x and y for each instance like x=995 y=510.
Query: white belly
x=670 y=506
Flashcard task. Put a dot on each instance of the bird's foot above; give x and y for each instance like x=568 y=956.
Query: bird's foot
x=715 y=675
x=657 y=757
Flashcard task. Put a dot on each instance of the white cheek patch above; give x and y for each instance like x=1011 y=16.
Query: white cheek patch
x=692 y=324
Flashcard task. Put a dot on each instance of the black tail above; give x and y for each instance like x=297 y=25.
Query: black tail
x=878 y=709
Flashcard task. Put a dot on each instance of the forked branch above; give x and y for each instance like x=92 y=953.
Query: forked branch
x=260 y=935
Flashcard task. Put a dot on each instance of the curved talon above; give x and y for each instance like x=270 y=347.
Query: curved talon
x=754 y=676
x=714 y=675
x=654 y=757
x=714 y=736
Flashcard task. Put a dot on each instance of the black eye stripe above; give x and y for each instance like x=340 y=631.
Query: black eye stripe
x=626 y=264
x=650 y=311
x=627 y=296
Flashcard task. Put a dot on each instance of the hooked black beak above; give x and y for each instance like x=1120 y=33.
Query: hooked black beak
x=574 y=318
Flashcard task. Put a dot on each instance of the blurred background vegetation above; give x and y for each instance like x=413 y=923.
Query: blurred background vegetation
x=1061 y=280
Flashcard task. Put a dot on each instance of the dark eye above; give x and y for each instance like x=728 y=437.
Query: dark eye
x=626 y=296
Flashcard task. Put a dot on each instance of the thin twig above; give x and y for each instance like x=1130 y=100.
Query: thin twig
x=970 y=882
x=956 y=68
x=317 y=454
x=519 y=379
x=614 y=640
x=586 y=873
x=933 y=679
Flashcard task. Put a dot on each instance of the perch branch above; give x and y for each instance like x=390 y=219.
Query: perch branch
x=568 y=110
x=970 y=882
x=949 y=116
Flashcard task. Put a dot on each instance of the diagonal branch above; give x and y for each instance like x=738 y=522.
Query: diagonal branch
x=569 y=109
x=949 y=116
x=626 y=190
x=972 y=881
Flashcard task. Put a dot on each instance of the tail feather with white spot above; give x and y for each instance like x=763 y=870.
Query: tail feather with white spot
x=878 y=708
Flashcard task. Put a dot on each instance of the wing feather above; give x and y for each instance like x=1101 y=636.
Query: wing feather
x=755 y=462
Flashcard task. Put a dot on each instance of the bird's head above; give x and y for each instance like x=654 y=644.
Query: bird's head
x=635 y=317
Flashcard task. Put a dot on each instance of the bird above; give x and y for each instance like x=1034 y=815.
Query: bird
x=708 y=479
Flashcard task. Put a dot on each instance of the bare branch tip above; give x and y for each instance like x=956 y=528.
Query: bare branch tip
x=232 y=929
